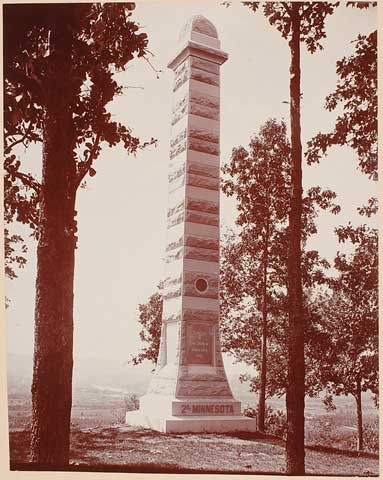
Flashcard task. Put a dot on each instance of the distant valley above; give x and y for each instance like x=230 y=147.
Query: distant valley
x=102 y=381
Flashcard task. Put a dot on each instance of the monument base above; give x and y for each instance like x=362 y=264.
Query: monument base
x=173 y=415
x=205 y=424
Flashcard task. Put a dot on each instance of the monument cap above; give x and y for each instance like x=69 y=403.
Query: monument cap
x=199 y=29
x=198 y=37
x=199 y=24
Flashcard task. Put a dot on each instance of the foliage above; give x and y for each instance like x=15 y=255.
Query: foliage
x=131 y=403
x=275 y=420
x=361 y=5
x=14 y=251
x=259 y=181
x=253 y=259
x=371 y=435
x=105 y=40
x=352 y=315
x=312 y=18
x=348 y=319
x=339 y=432
x=150 y=318
x=21 y=197
x=356 y=93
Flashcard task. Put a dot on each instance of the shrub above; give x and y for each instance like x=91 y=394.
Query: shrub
x=275 y=420
x=371 y=436
x=339 y=431
x=325 y=430
x=131 y=402
x=250 y=412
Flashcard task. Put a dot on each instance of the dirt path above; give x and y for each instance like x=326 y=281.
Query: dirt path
x=124 y=448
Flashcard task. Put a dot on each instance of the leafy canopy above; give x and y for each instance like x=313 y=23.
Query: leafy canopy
x=104 y=39
x=356 y=94
x=253 y=258
x=150 y=318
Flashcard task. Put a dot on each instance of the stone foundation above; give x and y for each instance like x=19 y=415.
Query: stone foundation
x=196 y=424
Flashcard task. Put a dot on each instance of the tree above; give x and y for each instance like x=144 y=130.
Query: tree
x=353 y=307
x=254 y=267
x=150 y=317
x=296 y=21
x=350 y=318
x=356 y=92
x=59 y=62
x=259 y=181
x=351 y=313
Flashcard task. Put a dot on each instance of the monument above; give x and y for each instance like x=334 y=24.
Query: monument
x=189 y=391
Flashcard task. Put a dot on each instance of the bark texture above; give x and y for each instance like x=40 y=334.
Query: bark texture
x=53 y=354
x=295 y=454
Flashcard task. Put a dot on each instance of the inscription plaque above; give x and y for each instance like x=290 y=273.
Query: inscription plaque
x=206 y=409
x=199 y=344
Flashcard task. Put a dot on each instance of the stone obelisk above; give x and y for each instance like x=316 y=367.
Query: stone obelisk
x=189 y=391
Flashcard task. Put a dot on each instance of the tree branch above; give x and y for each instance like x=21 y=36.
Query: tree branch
x=286 y=8
x=21 y=140
x=152 y=67
x=26 y=179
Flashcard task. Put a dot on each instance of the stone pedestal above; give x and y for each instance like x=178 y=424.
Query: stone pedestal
x=189 y=391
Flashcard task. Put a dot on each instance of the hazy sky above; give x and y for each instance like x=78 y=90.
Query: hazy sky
x=122 y=212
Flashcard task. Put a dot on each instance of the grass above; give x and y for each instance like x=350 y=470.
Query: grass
x=129 y=449
x=100 y=442
x=339 y=431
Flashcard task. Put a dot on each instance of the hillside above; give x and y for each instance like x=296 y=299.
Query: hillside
x=126 y=449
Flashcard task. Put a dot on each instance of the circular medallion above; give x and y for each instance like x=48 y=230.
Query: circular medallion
x=201 y=285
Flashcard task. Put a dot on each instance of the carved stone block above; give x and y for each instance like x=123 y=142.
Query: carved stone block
x=197 y=62
x=200 y=181
x=201 y=242
x=204 y=76
x=202 y=217
x=206 y=206
x=203 y=254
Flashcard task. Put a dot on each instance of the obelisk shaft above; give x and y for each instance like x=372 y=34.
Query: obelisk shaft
x=191 y=288
x=189 y=390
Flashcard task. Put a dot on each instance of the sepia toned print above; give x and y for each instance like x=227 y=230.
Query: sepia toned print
x=191 y=259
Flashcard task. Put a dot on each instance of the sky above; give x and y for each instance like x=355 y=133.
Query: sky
x=122 y=212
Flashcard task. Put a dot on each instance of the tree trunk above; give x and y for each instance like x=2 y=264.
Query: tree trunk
x=295 y=453
x=53 y=354
x=358 y=398
x=262 y=388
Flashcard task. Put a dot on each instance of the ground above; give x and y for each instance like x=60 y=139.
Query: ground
x=100 y=440
x=130 y=449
